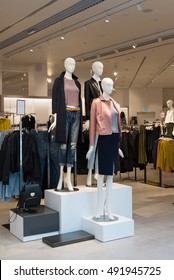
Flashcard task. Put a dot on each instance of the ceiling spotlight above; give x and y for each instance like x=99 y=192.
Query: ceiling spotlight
x=32 y=31
x=115 y=73
x=62 y=37
x=31 y=50
x=107 y=19
x=134 y=46
x=139 y=8
x=85 y=28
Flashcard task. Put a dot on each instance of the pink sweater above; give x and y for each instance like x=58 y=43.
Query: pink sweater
x=100 y=117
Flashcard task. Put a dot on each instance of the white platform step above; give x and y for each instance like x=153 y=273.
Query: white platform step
x=107 y=231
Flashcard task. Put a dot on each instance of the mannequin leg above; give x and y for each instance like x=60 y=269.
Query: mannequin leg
x=100 y=202
x=96 y=167
x=59 y=186
x=89 y=177
x=109 y=182
x=68 y=179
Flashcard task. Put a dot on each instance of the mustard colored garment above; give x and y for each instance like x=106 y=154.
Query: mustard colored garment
x=165 y=155
x=5 y=124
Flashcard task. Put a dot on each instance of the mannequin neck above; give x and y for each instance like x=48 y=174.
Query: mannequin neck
x=96 y=77
x=68 y=75
x=105 y=96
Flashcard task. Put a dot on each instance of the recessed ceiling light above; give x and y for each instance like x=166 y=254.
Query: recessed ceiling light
x=49 y=80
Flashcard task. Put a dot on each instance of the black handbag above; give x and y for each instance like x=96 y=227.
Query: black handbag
x=30 y=196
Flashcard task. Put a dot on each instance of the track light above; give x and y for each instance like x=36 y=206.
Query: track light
x=134 y=46
x=107 y=19
x=32 y=31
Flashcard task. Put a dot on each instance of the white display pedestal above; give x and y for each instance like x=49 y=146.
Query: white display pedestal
x=107 y=231
x=73 y=206
x=29 y=227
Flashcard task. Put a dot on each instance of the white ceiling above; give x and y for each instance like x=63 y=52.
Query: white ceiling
x=88 y=38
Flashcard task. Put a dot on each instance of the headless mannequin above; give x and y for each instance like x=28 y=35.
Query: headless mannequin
x=169 y=119
x=69 y=65
x=97 y=68
x=104 y=204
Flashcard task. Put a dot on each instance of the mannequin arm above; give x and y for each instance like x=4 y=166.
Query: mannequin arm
x=86 y=125
x=89 y=153
x=120 y=153
x=53 y=125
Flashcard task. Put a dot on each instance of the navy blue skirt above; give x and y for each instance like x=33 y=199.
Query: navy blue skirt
x=108 y=154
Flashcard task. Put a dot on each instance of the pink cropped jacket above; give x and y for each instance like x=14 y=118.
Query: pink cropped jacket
x=100 y=117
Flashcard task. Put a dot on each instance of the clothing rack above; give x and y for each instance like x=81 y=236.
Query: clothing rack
x=162 y=166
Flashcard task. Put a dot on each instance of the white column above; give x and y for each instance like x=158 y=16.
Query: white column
x=38 y=80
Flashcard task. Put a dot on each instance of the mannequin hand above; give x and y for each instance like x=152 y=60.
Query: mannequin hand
x=86 y=125
x=52 y=126
x=120 y=153
x=89 y=153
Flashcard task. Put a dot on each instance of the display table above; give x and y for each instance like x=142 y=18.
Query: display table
x=73 y=207
x=41 y=222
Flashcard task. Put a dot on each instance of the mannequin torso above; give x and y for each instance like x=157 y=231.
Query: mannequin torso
x=170 y=113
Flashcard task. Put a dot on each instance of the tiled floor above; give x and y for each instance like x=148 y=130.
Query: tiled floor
x=153 y=214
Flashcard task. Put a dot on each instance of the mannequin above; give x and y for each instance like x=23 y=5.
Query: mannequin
x=105 y=122
x=169 y=119
x=92 y=90
x=67 y=110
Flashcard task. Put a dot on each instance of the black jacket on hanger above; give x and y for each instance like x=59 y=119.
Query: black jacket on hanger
x=28 y=121
x=91 y=91
x=59 y=107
